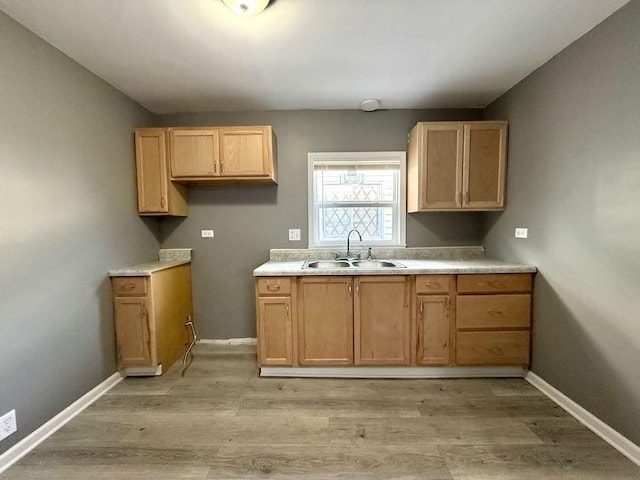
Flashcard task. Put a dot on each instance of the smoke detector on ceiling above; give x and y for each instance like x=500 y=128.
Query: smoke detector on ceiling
x=369 y=104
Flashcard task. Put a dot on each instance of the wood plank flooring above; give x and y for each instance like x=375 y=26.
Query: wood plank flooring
x=222 y=421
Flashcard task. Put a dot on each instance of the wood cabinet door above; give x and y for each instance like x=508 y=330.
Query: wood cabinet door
x=434 y=330
x=325 y=321
x=275 y=340
x=441 y=173
x=381 y=320
x=133 y=331
x=485 y=161
x=151 y=170
x=245 y=151
x=194 y=152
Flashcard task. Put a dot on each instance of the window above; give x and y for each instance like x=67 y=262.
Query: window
x=361 y=190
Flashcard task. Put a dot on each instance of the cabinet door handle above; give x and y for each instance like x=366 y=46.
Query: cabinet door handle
x=350 y=290
x=273 y=287
x=421 y=309
x=460 y=199
x=162 y=201
x=466 y=197
x=357 y=287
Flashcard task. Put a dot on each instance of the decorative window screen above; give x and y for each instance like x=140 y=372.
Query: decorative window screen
x=361 y=190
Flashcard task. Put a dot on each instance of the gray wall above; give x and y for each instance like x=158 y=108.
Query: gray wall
x=248 y=221
x=574 y=175
x=68 y=216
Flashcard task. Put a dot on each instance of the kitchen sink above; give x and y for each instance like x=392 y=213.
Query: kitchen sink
x=327 y=264
x=375 y=264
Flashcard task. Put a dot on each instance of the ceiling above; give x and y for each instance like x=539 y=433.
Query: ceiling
x=195 y=55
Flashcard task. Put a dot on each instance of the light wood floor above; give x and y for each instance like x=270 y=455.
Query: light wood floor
x=224 y=422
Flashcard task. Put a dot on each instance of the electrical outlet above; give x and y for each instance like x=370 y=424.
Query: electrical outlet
x=522 y=232
x=206 y=233
x=8 y=424
x=294 y=234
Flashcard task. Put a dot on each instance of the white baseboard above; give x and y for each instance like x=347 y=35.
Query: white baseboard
x=142 y=371
x=228 y=341
x=593 y=423
x=38 y=436
x=392 y=372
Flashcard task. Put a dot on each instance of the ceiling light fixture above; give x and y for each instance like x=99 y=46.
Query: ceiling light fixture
x=246 y=8
x=369 y=104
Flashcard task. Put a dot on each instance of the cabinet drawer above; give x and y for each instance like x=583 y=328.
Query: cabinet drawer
x=436 y=284
x=493 y=311
x=492 y=348
x=274 y=286
x=129 y=286
x=498 y=282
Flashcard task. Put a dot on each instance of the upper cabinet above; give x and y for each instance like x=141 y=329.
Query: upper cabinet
x=157 y=195
x=194 y=153
x=168 y=157
x=456 y=166
x=222 y=155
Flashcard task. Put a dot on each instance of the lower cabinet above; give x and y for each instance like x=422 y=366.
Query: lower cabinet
x=493 y=319
x=325 y=320
x=424 y=320
x=150 y=313
x=434 y=319
x=275 y=316
x=274 y=331
x=382 y=323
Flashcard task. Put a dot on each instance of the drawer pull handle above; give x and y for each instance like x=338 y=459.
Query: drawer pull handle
x=495 y=313
x=128 y=286
x=432 y=284
x=497 y=351
x=273 y=287
x=494 y=284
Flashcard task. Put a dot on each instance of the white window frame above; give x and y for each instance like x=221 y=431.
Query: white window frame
x=349 y=158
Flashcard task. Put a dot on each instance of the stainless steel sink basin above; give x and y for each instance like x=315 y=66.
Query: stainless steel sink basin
x=327 y=264
x=375 y=264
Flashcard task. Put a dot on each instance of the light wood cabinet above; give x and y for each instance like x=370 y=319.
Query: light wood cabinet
x=455 y=166
x=150 y=314
x=247 y=152
x=434 y=319
x=493 y=319
x=376 y=320
x=275 y=309
x=381 y=320
x=157 y=195
x=194 y=152
x=325 y=320
x=222 y=155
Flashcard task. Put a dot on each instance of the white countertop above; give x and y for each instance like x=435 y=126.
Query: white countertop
x=411 y=267
x=146 y=269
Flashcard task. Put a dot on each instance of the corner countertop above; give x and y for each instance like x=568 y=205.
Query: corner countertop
x=411 y=267
x=168 y=258
x=414 y=261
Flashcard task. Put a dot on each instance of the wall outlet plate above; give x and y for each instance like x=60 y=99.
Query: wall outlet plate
x=522 y=232
x=294 y=234
x=206 y=233
x=8 y=424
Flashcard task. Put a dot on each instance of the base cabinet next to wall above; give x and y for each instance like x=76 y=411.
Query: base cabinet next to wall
x=394 y=320
x=150 y=314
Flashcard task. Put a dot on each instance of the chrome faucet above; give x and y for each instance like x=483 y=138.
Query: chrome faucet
x=349 y=245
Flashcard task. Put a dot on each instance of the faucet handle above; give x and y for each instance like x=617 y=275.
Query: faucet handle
x=336 y=254
x=367 y=251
